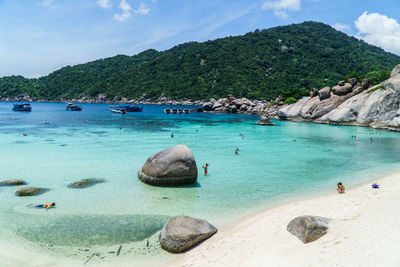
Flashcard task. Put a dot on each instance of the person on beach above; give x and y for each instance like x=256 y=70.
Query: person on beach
x=237 y=151
x=340 y=188
x=205 y=167
x=375 y=185
x=43 y=206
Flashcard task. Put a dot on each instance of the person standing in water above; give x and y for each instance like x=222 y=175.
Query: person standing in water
x=237 y=151
x=172 y=135
x=205 y=167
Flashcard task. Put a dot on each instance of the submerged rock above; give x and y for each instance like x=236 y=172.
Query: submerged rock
x=170 y=167
x=28 y=191
x=85 y=183
x=12 y=182
x=308 y=228
x=181 y=233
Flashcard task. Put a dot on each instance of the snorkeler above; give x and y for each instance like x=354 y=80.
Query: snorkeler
x=44 y=206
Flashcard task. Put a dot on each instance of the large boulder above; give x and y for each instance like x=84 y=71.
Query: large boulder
x=216 y=105
x=308 y=228
x=181 y=233
x=324 y=93
x=28 y=191
x=395 y=71
x=265 y=121
x=170 y=167
x=353 y=81
x=342 y=90
x=208 y=106
x=12 y=182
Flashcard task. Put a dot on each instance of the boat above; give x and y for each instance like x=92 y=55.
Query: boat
x=131 y=108
x=118 y=111
x=73 y=107
x=22 y=107
x=177 y=111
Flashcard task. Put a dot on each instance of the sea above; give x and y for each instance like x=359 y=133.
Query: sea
x=51 y=148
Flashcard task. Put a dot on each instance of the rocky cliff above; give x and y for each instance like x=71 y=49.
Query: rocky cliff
x=350 y=103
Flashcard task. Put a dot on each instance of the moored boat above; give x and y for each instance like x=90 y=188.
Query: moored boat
x=73 y=107
x=22 y=107
x=131 y=108
x=118 y=111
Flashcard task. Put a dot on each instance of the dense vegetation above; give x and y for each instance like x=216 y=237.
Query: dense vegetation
x=262 y=64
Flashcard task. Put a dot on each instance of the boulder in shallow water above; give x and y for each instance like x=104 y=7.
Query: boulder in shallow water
x=265 y=121
x=170 y=167
x=181 y=233
x=12 y=182
x=28 y=191
x=308 y=228
x=85 y=183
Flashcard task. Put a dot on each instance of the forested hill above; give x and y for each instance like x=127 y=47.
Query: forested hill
x=261 y=64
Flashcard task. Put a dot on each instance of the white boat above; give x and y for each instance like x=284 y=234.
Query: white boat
x=118 y=111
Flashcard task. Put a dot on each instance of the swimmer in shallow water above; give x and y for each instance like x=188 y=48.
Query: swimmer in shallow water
x=237 y=151
x=43 y=206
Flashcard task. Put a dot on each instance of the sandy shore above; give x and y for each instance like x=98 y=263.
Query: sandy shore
x=365 y=231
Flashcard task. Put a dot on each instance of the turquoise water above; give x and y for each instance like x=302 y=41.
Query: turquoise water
x=63 y=147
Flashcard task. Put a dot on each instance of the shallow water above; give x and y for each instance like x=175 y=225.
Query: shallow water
x=62 y=147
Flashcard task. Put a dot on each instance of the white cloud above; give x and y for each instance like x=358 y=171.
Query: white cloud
x=126 y=11
x=142 y=10
x=282 y=7
x=379 y=30
x=46 y=3
x=342 y=27
x=104 y=3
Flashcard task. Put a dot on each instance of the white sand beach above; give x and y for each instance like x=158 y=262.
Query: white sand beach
x=365 y=231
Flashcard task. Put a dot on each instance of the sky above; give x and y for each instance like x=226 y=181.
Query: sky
x=38 y=37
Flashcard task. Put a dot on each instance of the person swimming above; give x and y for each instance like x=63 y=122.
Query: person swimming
x=205 y=167
x=44 y=206
x=237 y=151
x=172 y=135
x=340 y=188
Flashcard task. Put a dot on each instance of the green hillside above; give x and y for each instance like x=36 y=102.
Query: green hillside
x=261 y=64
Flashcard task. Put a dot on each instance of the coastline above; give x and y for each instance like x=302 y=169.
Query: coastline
x=362 y=233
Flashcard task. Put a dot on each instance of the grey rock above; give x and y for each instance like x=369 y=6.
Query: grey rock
x=208 y=106
x=324 y=93
x=314 y=92
x=181 y=233
x=12 y=182
x=265 y=121
x=341 y=83
x=308 y=228
x=232 y=109
x=85 y=183
x=353 y=81
x=28 y=191
x=365 y=84
x=395 y=71
x=342 y=90
x=170 y=167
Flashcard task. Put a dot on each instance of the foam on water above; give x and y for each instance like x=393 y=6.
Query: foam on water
x=63 y=147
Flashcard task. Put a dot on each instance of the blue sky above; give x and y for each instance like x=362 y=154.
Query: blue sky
x=40 y=36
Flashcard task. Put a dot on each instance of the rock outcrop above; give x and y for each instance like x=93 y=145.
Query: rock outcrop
x=351 y=103
x=170 y=167
x=308 y=228
x=28 y=191
x=181 y=233
x=12 y=182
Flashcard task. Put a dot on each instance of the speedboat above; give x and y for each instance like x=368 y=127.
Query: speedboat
x=118 y=111
x=22 y=107
x=73 y=107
